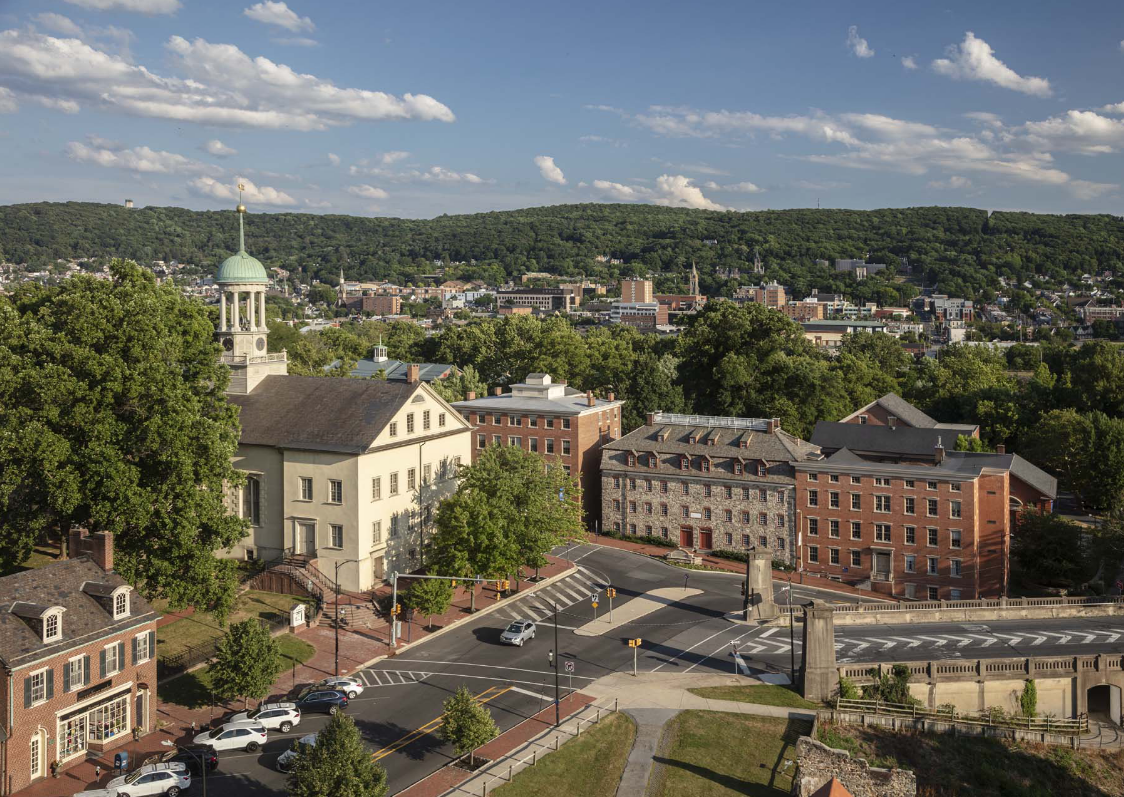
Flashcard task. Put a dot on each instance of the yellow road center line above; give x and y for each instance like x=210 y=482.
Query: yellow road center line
x=433 y=725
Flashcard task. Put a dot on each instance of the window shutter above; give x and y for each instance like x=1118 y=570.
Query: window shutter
x=27 y=692
x=152 y=644
x=120 y=656
x=102 y=655
x=85 y=671
x=50 y=683
x=66 y=677
x=134 y=650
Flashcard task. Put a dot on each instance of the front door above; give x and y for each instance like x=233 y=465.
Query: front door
x=882 y=563
x=378 y=569
x=706 y=539
x=306 y=538
x=686 y=537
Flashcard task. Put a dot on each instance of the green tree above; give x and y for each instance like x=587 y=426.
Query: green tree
x=966 y=442
x=247 y=662
x=467 y=724
x=430 y=596
x=1028 y=699
x=1047 y=550
x=339 y=764
x=114 y=418
x=456 y=388
x=322 y=294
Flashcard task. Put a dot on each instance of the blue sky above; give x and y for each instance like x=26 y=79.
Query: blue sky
x=423 y=108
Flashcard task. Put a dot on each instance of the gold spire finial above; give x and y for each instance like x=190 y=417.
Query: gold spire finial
x=241 y=213
x=241 y=188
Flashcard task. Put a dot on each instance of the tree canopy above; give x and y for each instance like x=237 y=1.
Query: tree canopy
x=247 y=661
x=339 y=764
x=115 y=419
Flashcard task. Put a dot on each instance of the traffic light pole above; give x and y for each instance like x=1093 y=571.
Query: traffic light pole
x=394 y=597
x=557 y=654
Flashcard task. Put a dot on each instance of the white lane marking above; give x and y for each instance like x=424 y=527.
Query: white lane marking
x=584 y=555
x=528 y=692
x=1088 y=637
x=554 y=596
x=1111 y=637
x=577 y=596
x=567 y=627
x=987 y=640
x=374 y=675
x=688 y=650
x=860 y=647
x=767 y=633
x=910 y=641
x=486 y=666
x=366 y=680
x=1009 y=637
x=1063 y=637
x=719 y=650
x=586 y=578
x=886 y=644
x=936 y=640
x=540 y=606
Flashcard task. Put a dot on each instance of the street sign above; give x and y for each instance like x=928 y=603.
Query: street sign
x=569 y=666
x=595 y=604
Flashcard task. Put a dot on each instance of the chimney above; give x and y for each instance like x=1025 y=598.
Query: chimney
x=470 y=395
x=589 y=399
x=612 y=397
x=497 y=391
x=651 y=419
x=1001 y=449
x=99 y=547
x=772 y=425
x=413 y=373
x=938 y=452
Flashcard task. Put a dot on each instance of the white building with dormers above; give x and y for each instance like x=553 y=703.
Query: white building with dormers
x=345 y=474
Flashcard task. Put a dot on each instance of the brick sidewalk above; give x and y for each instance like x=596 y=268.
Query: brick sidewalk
x=739 y=567
x=449 y=777
x=357 y=646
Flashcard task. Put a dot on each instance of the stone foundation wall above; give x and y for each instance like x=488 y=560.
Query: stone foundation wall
x=816 y=764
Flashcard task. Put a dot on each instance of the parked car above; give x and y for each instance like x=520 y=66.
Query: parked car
x=248 y=736
x=286 y=759
x=518 y=632
x=325 y=701
x=274 y=716
x=161 y=779
x=352 y=687
x=193 y=756
x=97 y=793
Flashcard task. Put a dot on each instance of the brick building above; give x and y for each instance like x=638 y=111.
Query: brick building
x=79 y=649
x=550 y=419
x=772 y=295
x=804 y=311
x=893 y=506
x=705 y=482
x=543 y=299
x=636 y=290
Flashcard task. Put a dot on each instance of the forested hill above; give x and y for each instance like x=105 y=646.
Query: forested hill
x=962 y=249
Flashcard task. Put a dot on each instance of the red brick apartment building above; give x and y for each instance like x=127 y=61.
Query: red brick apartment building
x=550 y=419
x=891 y=504
x=78 y=647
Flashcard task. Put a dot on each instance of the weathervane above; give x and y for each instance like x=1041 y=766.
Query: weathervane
x=241 y=212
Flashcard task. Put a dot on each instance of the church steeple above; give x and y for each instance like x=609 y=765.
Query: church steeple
x=694 y=285
x=341 y=292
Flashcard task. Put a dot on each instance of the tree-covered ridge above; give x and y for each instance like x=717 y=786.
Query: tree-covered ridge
x=961 y=249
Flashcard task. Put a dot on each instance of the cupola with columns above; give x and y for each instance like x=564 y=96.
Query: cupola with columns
x=242 y=281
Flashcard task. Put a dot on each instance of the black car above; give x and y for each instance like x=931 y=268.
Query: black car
x=325 y=701
x=192 y=755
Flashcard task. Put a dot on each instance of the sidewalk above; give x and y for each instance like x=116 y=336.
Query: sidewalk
x=358 y=648
x=719 y=563
x=661 y=690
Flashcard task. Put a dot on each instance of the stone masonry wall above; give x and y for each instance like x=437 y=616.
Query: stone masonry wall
x=816 y=764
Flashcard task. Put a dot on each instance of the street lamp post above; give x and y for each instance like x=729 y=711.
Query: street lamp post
x=746 y=595
x=193 y=754
x=421 y=507
x=337 y=574
x=554 y=656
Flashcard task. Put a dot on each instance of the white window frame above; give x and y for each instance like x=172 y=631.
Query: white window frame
x=335 y=491
x=333 y=529
x=143 y=653
x=42 y=676
x=118 y=665
x=77 y=683
x=306 y=481
x=55 y=615
x=376 y=532
x=120 y=604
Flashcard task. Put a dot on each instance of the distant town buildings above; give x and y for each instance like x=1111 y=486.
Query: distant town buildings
x=860 y=268
x=542 y=299
x=636 y=290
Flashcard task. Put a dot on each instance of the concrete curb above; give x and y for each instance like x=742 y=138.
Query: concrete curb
x=546 y=582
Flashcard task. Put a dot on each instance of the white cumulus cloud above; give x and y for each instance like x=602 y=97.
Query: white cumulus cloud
x=909 y=62
x=954 y=183
x=333 y=159
x=670 y=190
x=549 y=170
x=737 y=188
x=1084 y=189
x=394 y=156
x=138 y=6
x=135 y=159
x=279 y=14
x=59 y=24
x=1116 y=107
x=219 y=149
x=220 y=85
x=8 y=102
x=973 y=59
x=857 y=44
x=1086 y=132
x=253 y=194
x=367 y=191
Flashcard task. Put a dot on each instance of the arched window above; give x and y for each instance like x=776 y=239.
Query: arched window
x=52 y=626
x=251 y=500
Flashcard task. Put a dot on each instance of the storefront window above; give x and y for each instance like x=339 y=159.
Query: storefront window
x=97 y=723
x=109 y=720
x=73 y=736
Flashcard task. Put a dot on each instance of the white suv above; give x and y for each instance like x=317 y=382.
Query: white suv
x=274 y=716
x=153 y=779
x=352 y=687
x=248 y=736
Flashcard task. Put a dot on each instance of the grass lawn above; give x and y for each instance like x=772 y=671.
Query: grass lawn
x=589 y=765
x=714 y=753
x=761 y=694
x=951 y=766
x=202 y=627
x=193 y=689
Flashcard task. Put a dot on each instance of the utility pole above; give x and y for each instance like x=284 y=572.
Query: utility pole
x=557 y=717
x=745 y=592
x=791 y=640
x=344 y=562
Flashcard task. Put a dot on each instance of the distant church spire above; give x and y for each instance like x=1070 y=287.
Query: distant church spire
x=694 y=285
x=341 y=291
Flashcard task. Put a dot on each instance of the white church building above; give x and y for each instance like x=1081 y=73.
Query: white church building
x=345 y=473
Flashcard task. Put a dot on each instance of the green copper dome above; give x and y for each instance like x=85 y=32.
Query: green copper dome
x=241 y=267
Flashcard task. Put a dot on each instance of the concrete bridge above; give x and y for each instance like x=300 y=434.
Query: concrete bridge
x=975 y=654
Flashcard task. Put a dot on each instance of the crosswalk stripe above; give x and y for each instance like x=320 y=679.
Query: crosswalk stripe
x=585 y=580
x=562 y=602
x=363 y=675
x=375 y=675
x=577 y=596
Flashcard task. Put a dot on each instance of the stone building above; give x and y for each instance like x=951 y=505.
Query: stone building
x=344 y=474
x=708 y=483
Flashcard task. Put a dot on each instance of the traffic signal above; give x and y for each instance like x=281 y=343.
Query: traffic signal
x=633 y=643
x=610 y=592
x=454 y=583
x=506 y=585
x=396 y=610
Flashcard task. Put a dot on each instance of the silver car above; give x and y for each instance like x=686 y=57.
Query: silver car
x=518 y=632
x=286 y=759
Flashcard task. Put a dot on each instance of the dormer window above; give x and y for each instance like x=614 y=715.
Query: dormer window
x=52 y=627
x=121 y=604
x=684 y=463
x=631 y=460
x=737 y=468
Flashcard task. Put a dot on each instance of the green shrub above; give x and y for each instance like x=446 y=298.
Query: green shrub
x=847 y=689
x=1028 y=700
x=645 y=539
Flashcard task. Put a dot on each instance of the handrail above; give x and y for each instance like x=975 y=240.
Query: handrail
x=1079 y=724
x=991 y=603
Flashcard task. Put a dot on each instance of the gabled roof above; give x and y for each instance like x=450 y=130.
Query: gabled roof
x=396 y=369
x=1031 y=474
x=320 y=413
x=60 y=584
x=898 y=407
x=780 y=446
x=898 y=440
x=833 y=788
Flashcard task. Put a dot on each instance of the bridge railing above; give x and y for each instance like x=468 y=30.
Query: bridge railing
x=999 y=603
x=994 y=718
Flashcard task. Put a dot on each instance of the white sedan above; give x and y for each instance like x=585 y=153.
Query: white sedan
x=352 y=687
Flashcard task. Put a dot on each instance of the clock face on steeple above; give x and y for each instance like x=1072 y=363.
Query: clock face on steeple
x=228 y=343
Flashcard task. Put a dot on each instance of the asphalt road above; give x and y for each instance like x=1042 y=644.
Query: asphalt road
x=397 y=712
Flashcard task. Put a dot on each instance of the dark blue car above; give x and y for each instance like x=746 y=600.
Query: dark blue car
x=324 y=701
